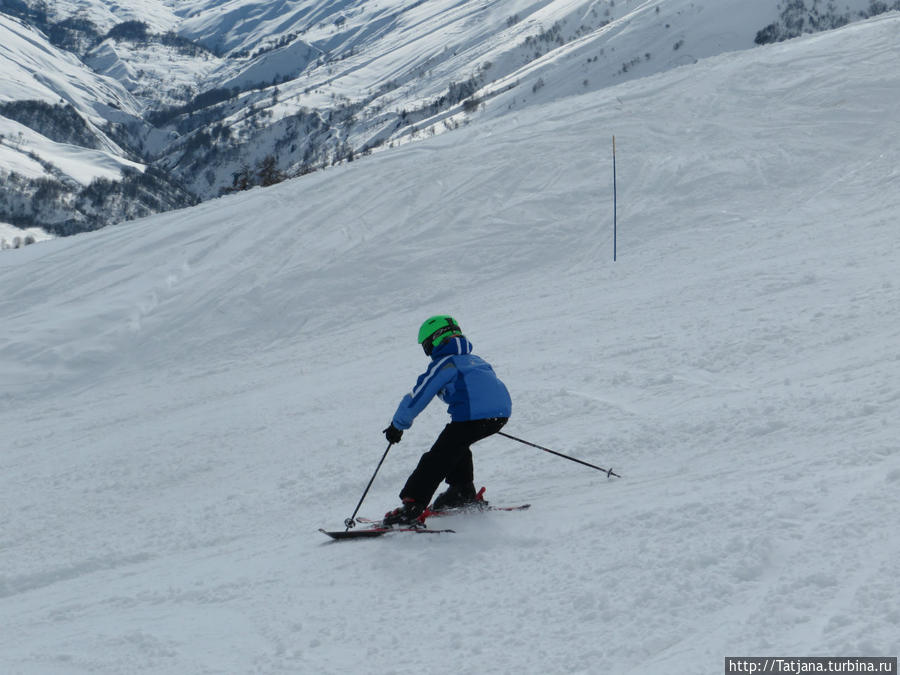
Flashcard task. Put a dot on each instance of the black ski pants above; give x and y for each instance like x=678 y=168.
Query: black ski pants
x=450 y=458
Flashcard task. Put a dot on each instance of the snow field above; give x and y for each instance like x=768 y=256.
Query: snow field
x=188 y=398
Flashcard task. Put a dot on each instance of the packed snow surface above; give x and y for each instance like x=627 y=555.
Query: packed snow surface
x=186 y=399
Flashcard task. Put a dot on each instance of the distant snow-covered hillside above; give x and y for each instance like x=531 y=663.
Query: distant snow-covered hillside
x=219 y=97
x=66 y=160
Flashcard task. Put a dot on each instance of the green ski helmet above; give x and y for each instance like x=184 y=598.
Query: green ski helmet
x=436 y=330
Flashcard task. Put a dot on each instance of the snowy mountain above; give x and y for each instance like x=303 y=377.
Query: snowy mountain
x=185 y=399
x=165 y=103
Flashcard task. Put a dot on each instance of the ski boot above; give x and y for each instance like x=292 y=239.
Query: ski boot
x=408 y=515
x=460 y=496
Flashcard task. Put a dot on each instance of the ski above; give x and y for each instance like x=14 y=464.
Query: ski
x=452 y=512
x=368 y=533
x=476 y=507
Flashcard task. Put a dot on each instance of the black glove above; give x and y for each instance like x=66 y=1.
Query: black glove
x=393 y=434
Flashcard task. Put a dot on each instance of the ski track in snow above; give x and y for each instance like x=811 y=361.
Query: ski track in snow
x=187 y=398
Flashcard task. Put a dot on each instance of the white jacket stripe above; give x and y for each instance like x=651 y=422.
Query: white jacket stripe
x=433 y=368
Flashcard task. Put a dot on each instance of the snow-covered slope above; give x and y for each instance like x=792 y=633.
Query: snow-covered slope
x=159 y=15
x=66 y=160
x=187 y=398
x=35 y=71
x=16 y=237
x=156 y=74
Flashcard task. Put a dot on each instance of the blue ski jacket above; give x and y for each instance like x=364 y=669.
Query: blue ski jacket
x=465 y=382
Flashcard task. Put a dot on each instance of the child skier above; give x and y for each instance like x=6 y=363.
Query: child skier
x=479 y=406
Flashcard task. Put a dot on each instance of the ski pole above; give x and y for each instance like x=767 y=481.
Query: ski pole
x=608 y=472
x=351 y=521
x=614 y=198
